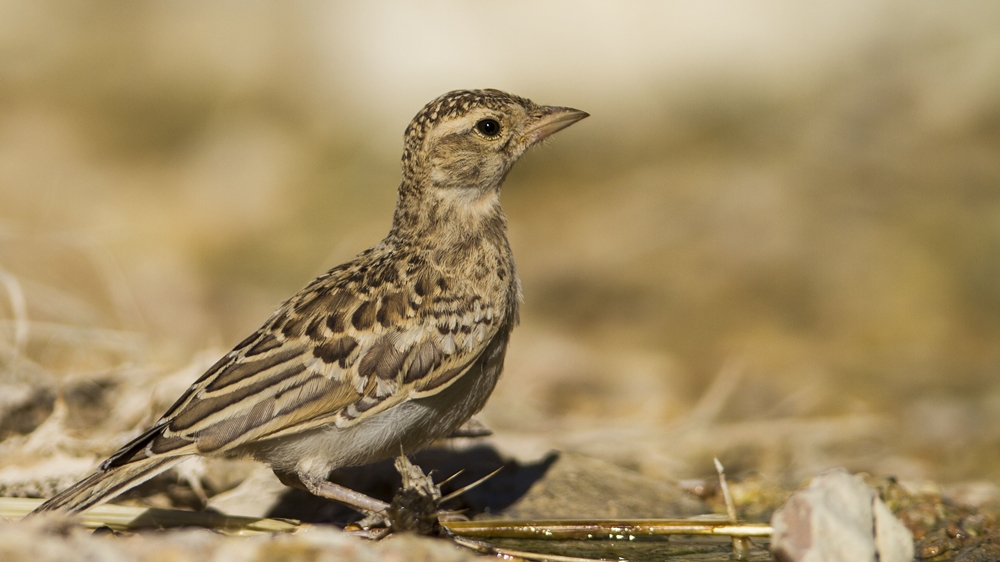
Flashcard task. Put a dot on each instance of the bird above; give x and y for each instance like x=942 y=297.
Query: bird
x=385 y=353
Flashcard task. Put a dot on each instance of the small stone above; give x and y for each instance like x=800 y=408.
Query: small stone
x=838 y=519
x=893 y=540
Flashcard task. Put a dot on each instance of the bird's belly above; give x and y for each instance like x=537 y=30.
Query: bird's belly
x=406 y=427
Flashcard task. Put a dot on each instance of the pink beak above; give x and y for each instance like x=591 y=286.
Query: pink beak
x=550 y=120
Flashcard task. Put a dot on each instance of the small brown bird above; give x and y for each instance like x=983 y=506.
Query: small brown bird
x=387 y=352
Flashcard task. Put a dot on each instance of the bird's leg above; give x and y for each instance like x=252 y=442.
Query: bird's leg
x=318 y=486
x=357 y=500
x=415 y=505
x=471 y=428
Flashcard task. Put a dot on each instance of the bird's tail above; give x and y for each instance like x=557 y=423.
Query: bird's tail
x=105 y=484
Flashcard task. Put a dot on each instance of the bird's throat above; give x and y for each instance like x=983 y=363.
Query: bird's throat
x=432 y=209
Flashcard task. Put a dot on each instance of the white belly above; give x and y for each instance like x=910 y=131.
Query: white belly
x=407 y=427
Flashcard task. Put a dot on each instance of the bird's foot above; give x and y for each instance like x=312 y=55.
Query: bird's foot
x=414 y=508
x=374 y=521
x=374 y=526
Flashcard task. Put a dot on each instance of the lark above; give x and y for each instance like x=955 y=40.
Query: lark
x=387 y=352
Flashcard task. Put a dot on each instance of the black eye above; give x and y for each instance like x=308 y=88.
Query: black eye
x=489 y=127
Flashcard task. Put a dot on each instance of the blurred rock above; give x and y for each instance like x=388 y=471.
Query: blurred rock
x=89 y=401
x=838 y=518
x=578 y=486
x=254 y=497
x=43 y=478
x=973 y=494
x=23 y=407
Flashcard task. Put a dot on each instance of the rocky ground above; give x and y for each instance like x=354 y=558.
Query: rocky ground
x=775 y=242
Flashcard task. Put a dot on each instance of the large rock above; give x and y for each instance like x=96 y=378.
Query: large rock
x=579 y=486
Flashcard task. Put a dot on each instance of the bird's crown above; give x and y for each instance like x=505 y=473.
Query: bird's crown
x=456 y=103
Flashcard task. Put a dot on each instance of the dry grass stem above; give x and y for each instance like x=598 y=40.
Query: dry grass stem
x=124 y=518
x=112 y=340
x=19 y=308
x=603 y=529
x=468 y=487
x=741 y=545
x=517 y=555
x=711 y=403
x=122 y=298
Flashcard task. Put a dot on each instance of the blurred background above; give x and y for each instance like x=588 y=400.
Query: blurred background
x=776 y=240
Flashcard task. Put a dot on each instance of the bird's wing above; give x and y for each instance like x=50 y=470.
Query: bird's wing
x=330 y=355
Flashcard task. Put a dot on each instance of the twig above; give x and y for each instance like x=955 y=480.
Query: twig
x=730 y=506
x=518 y=555
x=741 y=545
x=562 y=529
x=468 y=487
x=450 y=478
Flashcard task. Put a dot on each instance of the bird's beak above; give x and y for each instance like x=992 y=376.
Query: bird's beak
x=551 y=119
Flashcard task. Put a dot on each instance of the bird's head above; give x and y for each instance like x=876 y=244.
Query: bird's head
x=459 y=147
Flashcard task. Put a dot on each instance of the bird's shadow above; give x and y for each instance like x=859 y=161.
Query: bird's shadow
x=381 y=480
